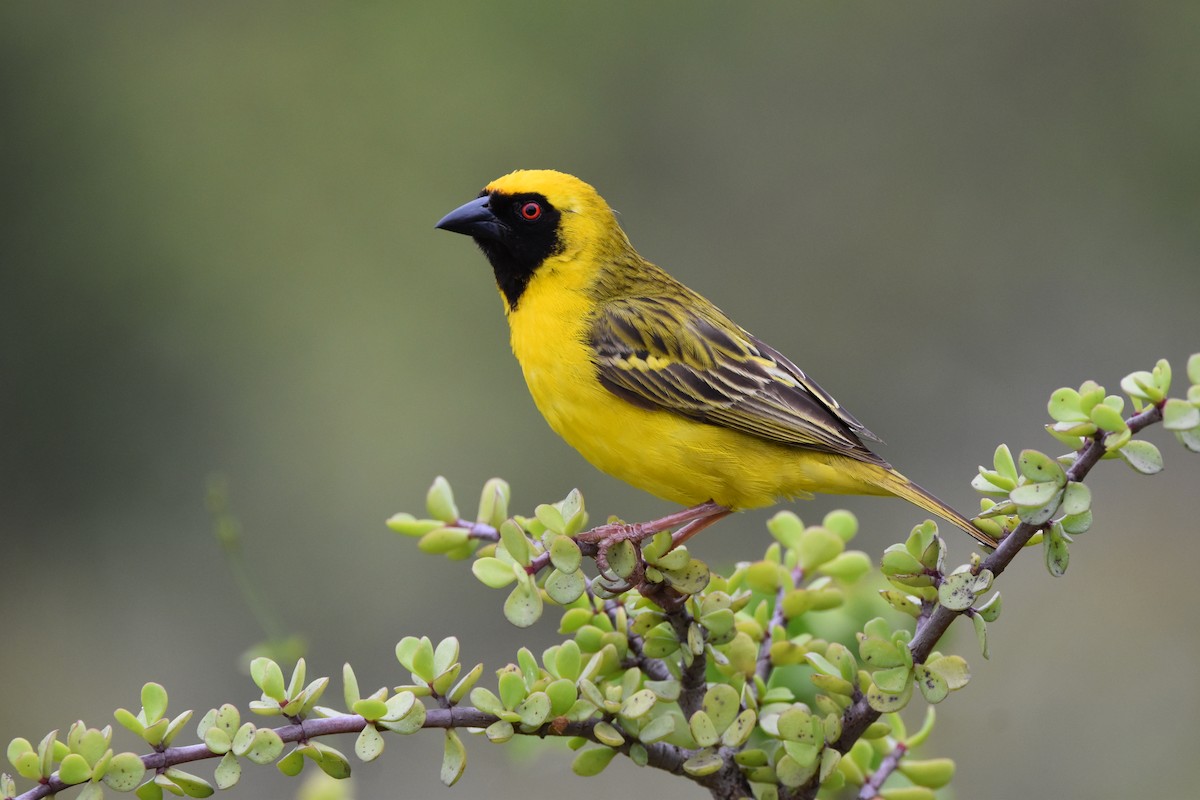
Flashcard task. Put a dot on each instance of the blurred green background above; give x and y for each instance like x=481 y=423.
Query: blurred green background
x=218 y=255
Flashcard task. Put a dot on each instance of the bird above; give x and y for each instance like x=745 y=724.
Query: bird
x=650 y=381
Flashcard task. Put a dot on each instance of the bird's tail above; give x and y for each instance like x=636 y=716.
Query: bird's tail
x=897 y=484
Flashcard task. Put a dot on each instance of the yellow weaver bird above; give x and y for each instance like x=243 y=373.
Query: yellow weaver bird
x=651 y=382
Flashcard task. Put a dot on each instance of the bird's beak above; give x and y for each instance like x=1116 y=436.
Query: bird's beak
x=473 y=219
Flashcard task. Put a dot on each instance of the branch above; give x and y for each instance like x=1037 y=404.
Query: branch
x=660 y=755
x=871 y=788
x=763 y=666
x=693 y=681
x=860 y=715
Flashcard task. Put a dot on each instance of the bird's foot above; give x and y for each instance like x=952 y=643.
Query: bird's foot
x=602 y=540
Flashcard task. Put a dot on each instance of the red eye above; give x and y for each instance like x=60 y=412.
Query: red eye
x=531 y=211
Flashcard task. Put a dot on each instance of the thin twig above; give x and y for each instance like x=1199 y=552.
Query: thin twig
x=871 y=788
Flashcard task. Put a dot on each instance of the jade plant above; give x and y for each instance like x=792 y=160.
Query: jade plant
x=780 y=677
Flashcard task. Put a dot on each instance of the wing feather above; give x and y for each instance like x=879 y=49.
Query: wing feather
x=683 y=355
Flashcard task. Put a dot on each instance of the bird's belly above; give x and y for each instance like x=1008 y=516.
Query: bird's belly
x=680 y=459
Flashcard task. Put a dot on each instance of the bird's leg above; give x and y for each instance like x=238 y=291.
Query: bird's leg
x=637 y=532
x=603 y=537
x=695 y=526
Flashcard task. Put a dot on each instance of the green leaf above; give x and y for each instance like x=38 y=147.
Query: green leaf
x=980 y=623
x=534 y=710
x=551 y=517
x=933 y=773
x=408 y=525
x=493 y=502
x=1180 y=415
x=592 y=761
x=228 y=772
x=721 y=703
x=267 y=675
x=1064 y=406
x=841 y=522
x=1041 y=468
x=192 y=785
x=515 y=542
x=622 y=559
x=151 y=790
x=957 y=591
x=638 y=704
x=369 y=709
x=786 y=527
x=512 y=688
x=607 y=734
x=703 y=731
x=74 y=769
x=848 y=567
x=818 y=546
x=1108 y=418
x=524 y=605
x=454 y=758
x=1077 y=498
x=888 y=701
x=1056 y=551
x=422 y=660
x=292 y=763
x=933 y=686
x=1193 y=368
x=442 y=541
x=154 y=701
x=1034 y=495
x=369 y=744
x=902 y=602
x=1189 y=439
x=565 y=554
x=1142 y=456
x=738 y=732
x=125 y=772
x=706 y=762
x=492 y=572
x=953 y=668
x=565 y=588
x=499 y=731
x=657 y=729
x=439 y=501
x=692 y=579
x=265 y=747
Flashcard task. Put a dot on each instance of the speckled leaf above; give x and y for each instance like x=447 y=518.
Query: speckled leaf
x=739 y=731
x=524 y=605
x=228 y=772
x=265 y=747
x=888 y=701
x=565 y=588
x=369 y=744
x=957 y=591
x=1143 y=456
x=932 y=685
x=454 y=758
x=706 y=762
x=125 y=772
x=638 y=704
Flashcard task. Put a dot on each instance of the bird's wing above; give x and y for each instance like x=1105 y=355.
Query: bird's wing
x=686 y=357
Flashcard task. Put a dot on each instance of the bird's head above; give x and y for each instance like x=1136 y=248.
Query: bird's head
x=530 y=217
